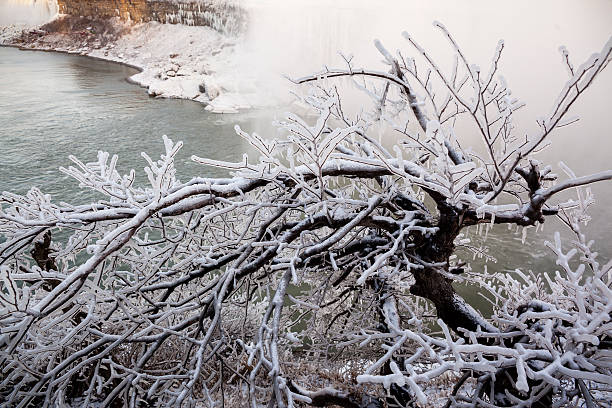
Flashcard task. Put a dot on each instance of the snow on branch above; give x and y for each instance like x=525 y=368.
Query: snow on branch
x=320 y=272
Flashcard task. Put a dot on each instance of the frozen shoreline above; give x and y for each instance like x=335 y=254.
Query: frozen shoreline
x=175 y=61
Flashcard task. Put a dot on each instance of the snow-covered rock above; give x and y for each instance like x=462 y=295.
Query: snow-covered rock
x=8 y=33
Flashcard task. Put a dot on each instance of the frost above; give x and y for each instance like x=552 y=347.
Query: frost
x=331 y=252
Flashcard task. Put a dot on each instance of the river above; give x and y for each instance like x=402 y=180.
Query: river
x=53 y=105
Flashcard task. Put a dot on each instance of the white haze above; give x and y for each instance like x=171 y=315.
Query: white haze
x=298 y=37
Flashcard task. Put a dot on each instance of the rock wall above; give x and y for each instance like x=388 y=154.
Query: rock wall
x=220 y=15
x=134 y=10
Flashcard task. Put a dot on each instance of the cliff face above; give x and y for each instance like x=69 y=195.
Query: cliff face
x=218 y=15
x=135 y=10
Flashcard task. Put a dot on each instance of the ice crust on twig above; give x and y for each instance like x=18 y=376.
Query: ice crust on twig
x=320 y=272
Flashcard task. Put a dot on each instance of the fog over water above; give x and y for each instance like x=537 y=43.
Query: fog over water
x=54 y=105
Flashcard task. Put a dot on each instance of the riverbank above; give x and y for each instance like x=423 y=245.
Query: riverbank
x=175 y=61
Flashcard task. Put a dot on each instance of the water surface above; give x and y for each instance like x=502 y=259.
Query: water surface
x=53 y=105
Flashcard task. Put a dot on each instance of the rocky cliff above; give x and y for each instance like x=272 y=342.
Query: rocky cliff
x=220 y=15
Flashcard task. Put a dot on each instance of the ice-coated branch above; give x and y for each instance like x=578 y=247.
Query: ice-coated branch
x=321 y=272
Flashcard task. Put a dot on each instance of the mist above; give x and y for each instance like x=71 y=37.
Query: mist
x=299 y=37
x=30 y=12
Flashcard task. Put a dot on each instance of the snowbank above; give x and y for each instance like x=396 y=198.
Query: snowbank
x=176 y=61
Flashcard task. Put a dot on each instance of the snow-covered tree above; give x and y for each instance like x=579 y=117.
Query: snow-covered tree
x=320 y=273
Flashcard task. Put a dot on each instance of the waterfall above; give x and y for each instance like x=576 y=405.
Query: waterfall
x=28 y=12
